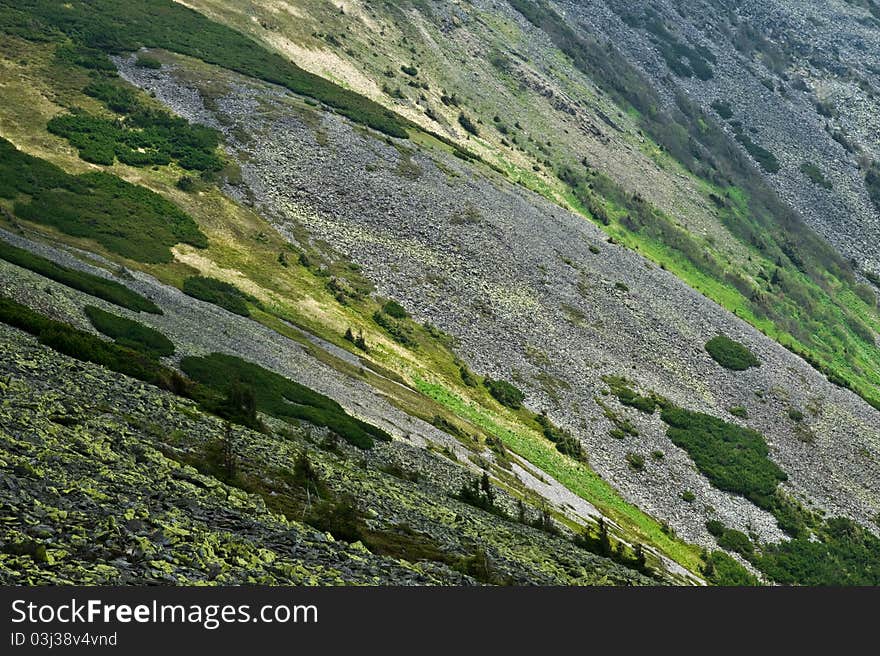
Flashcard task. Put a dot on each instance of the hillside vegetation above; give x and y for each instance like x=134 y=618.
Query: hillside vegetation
x=361 y=309
x=114 y=26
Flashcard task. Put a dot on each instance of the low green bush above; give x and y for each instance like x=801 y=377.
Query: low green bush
x=108 y=290
x=220 y=293
x=733 y=458
x=723 y=570
x=130 y=334
x=124 y=218
x=505 y=393
x=480 y=494
x=624 y=393
x=77 y=54
x=840 y=553
x=340 y=518
x=872 y=183
x=715 y=528
x=723 y=109
x=90 y=348
x=146 y=137
x=739 y=411
x=394 y=309
x=145 y=61
x=636 y=461
x=731 y=354
x=278 y=396
x=731 y=539
x=468 y=125
x=566 y=443
x=467 y=377
x=400 y=331
x=815 y=175
x=764 y=157
x=737 y=541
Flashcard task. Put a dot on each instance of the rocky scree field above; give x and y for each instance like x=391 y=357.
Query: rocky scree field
x=457 y=247
x=452 y=365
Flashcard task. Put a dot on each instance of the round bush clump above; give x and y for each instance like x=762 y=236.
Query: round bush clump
x=730 y=354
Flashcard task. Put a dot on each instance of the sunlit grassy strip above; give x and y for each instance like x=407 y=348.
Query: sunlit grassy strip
x=839 y=299
x=655 y=251
x=837 y=355
x=576 y=476
x=732 y=300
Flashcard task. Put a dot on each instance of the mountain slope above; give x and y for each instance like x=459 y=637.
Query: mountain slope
x=478 y=275
x=563 y=100
x=548 y=313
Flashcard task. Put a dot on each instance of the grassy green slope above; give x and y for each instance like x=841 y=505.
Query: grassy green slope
x=795 y=287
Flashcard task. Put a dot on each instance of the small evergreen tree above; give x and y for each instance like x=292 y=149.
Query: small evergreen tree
x=229 y=453
x=360 y=342
x=486 y=487
x=604 y=539
x=639 y=559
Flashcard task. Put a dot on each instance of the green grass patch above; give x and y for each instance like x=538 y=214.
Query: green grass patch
x=108 y=290
x=731 y=354
x=816 y=286
x=90 y=348
x=280 y=397
x=124 y=218
x=130 y=334
x=146 y=137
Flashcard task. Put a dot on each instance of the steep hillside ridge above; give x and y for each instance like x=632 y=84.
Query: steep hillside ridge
x=288 y=285
x=458 y=249
x=800 y=79
x=139 y=507
x=528 y=360
x=604 y=116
